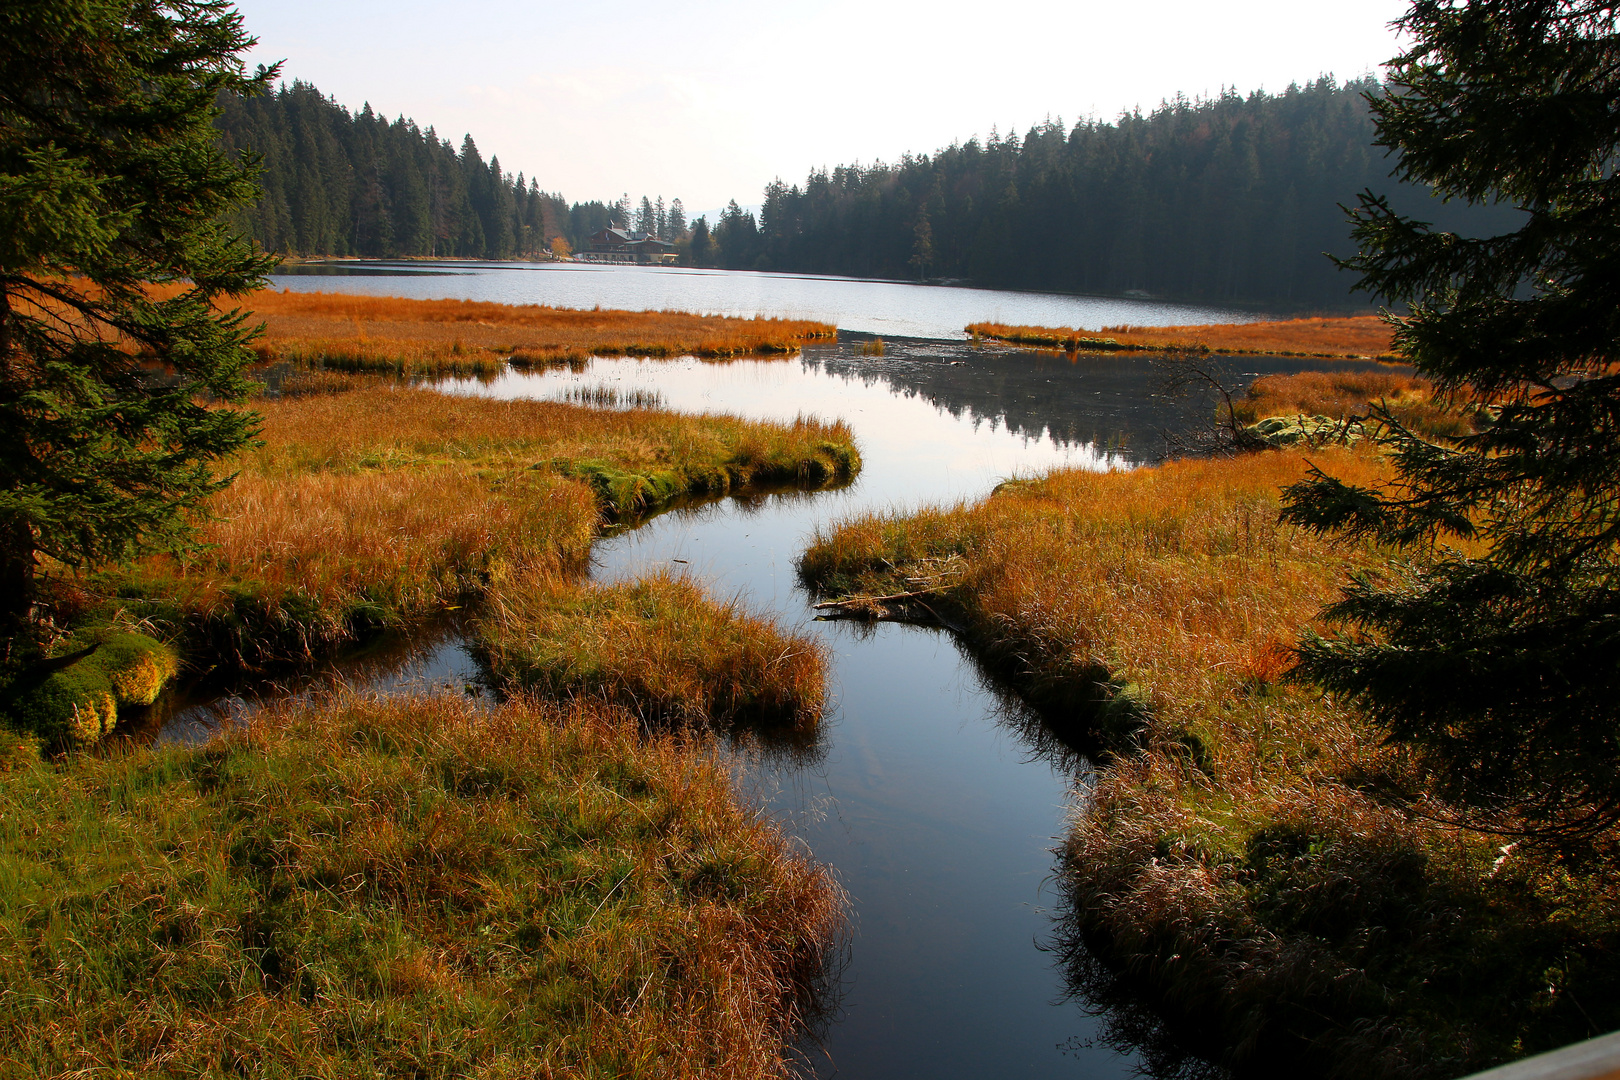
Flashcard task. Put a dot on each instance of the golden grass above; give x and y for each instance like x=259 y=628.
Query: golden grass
x=1232 y=860
x=367 y=508
x=419 y=337
x=1364 y=336
x=1339 y=394
x=658 y=646
x=402 y=888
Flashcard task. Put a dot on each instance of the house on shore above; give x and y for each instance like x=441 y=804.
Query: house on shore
x=625 y=246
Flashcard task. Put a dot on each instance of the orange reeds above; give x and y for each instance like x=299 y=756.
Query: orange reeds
x=1244 y=852
x=370 y=507
x=1339 y=394
x=1364 y=336
x=427 y=336
x=659 y=646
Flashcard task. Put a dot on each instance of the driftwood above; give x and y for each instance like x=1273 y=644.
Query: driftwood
x=871 y=609
x=858 y=603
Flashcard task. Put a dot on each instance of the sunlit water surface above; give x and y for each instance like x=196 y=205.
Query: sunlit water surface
x=876 y=307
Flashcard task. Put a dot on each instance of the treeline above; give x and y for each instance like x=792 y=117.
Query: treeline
x=341 y=183
x=1233 y=199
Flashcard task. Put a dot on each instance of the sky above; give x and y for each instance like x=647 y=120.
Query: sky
x=709 y=101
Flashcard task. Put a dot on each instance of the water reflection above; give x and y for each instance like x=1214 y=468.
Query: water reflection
x=1124 y=1023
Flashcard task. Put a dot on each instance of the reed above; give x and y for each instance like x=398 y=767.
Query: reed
x=466 y=337
x=1234 y=861
x=403 y=888
x=1340 y=394
x=365 y=509
x=1359 y=336
x=658 y=646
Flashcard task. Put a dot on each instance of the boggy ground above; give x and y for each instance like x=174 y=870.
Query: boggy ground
x=402 y=888
x=423 y=337
x=1356 y=336
x=416 y=888
x=1235 y=864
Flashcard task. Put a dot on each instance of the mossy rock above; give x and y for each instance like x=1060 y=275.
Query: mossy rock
x=622 y=493
x=137 y=666
x=73 y=706
x=77 y=704
x=1312 y=430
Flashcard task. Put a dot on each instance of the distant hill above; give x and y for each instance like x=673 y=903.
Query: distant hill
x=1229 y=200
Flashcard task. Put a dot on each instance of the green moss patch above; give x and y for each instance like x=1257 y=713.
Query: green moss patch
x=73 y=697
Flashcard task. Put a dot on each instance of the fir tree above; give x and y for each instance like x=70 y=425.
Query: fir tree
x=112 y=255
x=1497 y=662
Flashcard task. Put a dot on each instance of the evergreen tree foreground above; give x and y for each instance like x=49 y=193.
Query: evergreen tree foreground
x=113 y=253
x=1493 y=653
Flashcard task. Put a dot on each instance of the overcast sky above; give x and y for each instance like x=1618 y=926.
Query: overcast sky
x=709 y=101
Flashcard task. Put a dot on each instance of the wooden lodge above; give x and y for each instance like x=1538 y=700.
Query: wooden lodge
x=626 y=246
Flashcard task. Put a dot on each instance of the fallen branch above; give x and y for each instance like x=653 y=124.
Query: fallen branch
x=858 y=602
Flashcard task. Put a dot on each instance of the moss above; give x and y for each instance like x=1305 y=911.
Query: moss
x=78 y=703
x=72 y=706
x=1312 y=430
x=138 y=667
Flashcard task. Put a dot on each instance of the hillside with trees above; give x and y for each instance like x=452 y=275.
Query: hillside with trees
x=1232 y=199
x=342 y=183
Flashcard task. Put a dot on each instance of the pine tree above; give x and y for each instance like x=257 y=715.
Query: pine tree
x=113 y=251
x=677 y=220
x=1497 y=664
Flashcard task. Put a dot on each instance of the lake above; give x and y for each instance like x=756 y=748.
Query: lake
x=874 y=307
x=932 y=793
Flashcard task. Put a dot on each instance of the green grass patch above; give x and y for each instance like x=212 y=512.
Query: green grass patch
x=404 y=889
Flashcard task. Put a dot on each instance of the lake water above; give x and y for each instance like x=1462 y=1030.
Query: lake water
x=875 y=307
x=932 y=794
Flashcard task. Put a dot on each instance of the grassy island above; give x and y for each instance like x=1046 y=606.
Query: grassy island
x=368 y=507
x=1235 y=864
x=426 y=337
x=1352 y=337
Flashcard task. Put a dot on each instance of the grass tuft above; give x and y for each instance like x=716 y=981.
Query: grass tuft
x=1359 y=336
x=365 y=509
x=657 y=646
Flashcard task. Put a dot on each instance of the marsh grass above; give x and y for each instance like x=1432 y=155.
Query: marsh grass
x=1359 y=336
x=1239 y=861
x=658 y=646
x=603 y=396
x=1341 y=394
x=466 y=337
x=365 y=509
x=401 y=888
